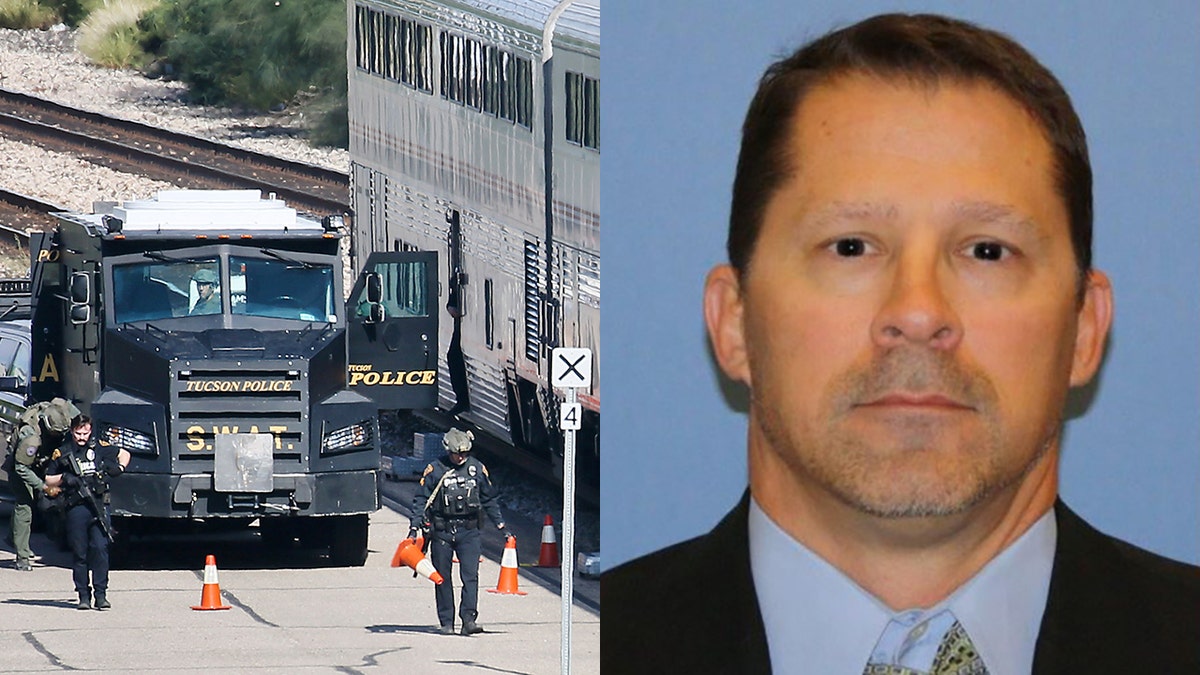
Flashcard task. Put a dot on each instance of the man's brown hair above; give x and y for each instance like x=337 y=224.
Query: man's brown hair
x=921 y=49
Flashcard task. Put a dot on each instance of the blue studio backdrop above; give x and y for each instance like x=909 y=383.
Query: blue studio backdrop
x=678 y=75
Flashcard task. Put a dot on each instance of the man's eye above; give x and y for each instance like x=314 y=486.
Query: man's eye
x=851 y=247
x=988 y=250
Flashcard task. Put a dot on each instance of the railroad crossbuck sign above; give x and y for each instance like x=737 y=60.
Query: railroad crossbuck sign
x=571 y=367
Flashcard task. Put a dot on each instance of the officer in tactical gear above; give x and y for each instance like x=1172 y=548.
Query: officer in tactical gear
x=455 y=492
x=31 y=447
x=85 y=464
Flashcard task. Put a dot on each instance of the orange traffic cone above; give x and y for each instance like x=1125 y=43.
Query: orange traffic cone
x=549 y=554
x=410 y=554
x=419 y=542
x=210 y=597
x=508 y=570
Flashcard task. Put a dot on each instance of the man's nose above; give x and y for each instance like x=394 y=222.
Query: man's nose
x=916 y=309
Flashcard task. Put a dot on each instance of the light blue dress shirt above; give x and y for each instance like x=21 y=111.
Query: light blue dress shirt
x=819 y=621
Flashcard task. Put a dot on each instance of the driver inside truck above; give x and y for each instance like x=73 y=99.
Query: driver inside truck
x=207 y=289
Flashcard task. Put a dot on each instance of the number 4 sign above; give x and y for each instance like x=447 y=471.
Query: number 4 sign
x=570 y=417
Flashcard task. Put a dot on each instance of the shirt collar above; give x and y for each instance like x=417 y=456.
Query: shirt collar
x=818 y=620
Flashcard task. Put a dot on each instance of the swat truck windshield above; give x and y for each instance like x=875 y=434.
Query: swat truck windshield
x=205 y=331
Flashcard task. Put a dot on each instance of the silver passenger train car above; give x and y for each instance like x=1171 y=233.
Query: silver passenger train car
x=475 y=132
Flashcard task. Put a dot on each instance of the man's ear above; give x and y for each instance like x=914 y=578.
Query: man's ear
x=723 y=314
x=1095 y=318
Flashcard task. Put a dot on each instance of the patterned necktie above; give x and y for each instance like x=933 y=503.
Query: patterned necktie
x=956 y=655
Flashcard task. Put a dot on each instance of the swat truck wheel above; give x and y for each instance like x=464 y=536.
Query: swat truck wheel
x=348 y=546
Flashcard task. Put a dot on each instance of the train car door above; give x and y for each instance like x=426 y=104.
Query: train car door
x=393 y=330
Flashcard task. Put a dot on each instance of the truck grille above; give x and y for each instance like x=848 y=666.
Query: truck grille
x=212 y=401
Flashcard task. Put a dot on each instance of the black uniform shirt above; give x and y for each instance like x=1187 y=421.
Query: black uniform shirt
x=97 y=461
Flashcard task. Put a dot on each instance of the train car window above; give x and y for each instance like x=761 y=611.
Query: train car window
x=391 y=47
x=583 y=110
x=508 y=86
x=591 y=107
x=415 y=68
x=452 y=67
x=492 y=81
x=487 y=78
x=524 y=93
x=361 y=41
x=376 y=42
x=573 y=98
x=474 y=71
x=408 y=52
x=425 y=46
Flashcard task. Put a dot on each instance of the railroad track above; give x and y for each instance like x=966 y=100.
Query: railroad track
x=186 y=161
x=20 y=213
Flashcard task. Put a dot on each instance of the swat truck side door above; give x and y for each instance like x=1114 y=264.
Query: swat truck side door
x=392 y=320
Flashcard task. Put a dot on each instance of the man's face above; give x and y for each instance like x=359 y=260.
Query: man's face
x=908 y=324
x=458 y=458
x=205 y=289
x=82 y=433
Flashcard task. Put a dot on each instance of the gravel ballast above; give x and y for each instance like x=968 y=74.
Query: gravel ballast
x=46 y=64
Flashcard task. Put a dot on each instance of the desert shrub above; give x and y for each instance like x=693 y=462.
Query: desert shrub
x=262 y=54
x=110 y=37
x=26 y=14
x=259 y=54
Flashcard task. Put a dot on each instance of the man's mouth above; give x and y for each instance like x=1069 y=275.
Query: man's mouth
x=925 y=401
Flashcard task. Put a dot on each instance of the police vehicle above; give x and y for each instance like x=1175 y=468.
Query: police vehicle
x=205 y=332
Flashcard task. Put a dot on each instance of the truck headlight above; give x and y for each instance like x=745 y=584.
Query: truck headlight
x=130 y=439
x=353 y=436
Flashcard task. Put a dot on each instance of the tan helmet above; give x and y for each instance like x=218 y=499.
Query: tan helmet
x=457 y=441
x=58 y=415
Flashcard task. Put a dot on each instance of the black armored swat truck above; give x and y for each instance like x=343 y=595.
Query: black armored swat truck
x=205 y=332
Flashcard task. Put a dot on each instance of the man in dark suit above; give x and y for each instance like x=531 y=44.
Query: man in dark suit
x=909 y=298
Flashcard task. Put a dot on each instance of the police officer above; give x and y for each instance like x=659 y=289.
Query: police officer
x=85 y=465
x=209 y=300
x=454 y=493
x=33 y=443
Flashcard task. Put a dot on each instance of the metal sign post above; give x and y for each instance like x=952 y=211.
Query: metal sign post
x=571 y=370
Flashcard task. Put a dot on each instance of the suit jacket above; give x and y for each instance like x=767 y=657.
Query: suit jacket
x=691 y=608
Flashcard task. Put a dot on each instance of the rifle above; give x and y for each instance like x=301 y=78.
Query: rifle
x=89 y=498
